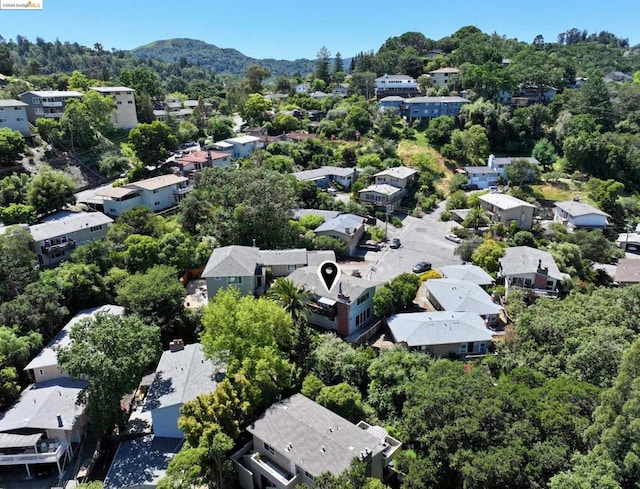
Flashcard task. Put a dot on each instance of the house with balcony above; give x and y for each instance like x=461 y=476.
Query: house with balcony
x=58 y=235
x=348 y=228
x=482 y=176
x=124 y=116
x=444 y=76
x=156 y=194
x=296 y=440
x=44 y=426
x=442 y=333
x=47 y=103
x=13 y=115
x=385 y=196
x=506 y=209
x=398 y=85
x=44 y=366
x=325 y=175
x=429 y=107
x=194 y=162
x=391 y=103
x=530 y=268
x=462 y=296
x=398 y=176
x=579 y=215
x=346 y=309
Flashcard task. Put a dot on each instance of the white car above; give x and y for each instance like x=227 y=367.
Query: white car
x=454 y=238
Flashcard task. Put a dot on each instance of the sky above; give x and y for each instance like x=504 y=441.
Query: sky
x=291 y=29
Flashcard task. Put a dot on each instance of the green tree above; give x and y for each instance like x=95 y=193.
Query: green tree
x=12 y=146
x=440 y=129
x=605 y=193
x=343 y=400
x=338 y=64
x=80 y=285
x=255 y=108
x=476 y=218
x=187 y=131
x=78 y=81
x=99 y=110
x=218 y=130
x=488 y=254
x=113 y=351
x=322 y=64
x=520 y=171
x=545 y=153
x=152 y=142
x=143 y=81
x=256 y=74
x=155 y=295
x=50 y=190
x=17 y=214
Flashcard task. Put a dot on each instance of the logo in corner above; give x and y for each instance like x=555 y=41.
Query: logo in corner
x=20 y=5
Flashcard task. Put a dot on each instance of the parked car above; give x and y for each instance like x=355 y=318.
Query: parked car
x=370 y=244
x=469 y=186
x=423 y=266
x=454 y=238
x=395 y=243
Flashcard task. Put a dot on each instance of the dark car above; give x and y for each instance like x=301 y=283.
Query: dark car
x=395 y=243
x=423 y=266
x=469 y=186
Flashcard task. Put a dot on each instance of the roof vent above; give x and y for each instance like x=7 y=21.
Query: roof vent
x=176 y=345
x=323 y=449
x=59 y=418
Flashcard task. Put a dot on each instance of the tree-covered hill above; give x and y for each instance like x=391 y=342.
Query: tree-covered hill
x=221 y=60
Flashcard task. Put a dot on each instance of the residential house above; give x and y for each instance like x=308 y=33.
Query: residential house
x=257 y=132
x=444 y=76
x=462 y=296
x=629 y=241
x=575 y=215
x=319 y=95
x=315 y=115
x=58 y=235
x=530 y=268
x=156 y=194
x=346 y=309
x=47 y=103
x=303 y=87
x=482 y=176
x=296 y=137
x=44 y=366
x=627 y=272
x=235 y=266
x=348 y=228
x=470 y=273
x=124 y=116
x=13 y=115
x=505 y=209
x=429 y=107
x=183 y=373
x=441 y=333
x=282 y=262
x=44 y=426
x=192 y=104
x=340 y=90
x=296 y=440
x=389 y=188
x=392 y=103
x=324 y=176
x=242 y=146
x=195 y=161
x=400 y=85
x=384 y=195
x=500 y=164
x=172 y=115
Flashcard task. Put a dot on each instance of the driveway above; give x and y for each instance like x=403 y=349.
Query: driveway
x=422 y=240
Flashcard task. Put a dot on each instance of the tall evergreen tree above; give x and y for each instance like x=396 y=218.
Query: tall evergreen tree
x=338 y=64
x=322 y=64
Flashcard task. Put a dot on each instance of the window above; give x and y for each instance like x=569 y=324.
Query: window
x=36 y=100
x=157 y=202
x=19 y=119
x=234 y=280
x=269 y=449
x=41 y=373
x=216 y=278
x=93 y=229
x=39 y=111
x=3 y=120
x=308 y=475
x=119 y=102
x=130 y=102
x=155 y=191
x=363 y=298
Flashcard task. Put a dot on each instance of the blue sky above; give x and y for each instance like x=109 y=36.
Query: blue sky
x=290 y=29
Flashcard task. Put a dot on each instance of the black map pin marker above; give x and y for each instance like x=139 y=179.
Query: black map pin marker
x=329 y=273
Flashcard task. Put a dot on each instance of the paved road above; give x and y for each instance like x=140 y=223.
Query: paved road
x=422 y=240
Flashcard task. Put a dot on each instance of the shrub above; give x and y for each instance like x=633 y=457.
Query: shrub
x=395 y=221
x=430 y=275
x=445 y=216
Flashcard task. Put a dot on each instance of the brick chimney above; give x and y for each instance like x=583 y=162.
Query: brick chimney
x=176 y=345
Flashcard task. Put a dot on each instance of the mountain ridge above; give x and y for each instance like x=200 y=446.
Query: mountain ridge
x=221 y=60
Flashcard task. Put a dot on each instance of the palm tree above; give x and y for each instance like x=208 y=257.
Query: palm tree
x=476 y=218
x=293 y=299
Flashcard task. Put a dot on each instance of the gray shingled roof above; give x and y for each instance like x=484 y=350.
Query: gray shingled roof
x=232 y=261
x=315 y=258
x=340 y=223
x=320 y=440
x=462 y=296
x=67 y=222
x=39 y=404
x=397 y=172
x=507 y=160
x=479 y=169
x=324 y=171
x=352 y=287
x=576 y=209
x=49 y=355
x=504 y=201
x=328 y=215
x=181 y=376
x=12 y=103
x=628 y=271
x=438 y=328
x=521 y=260
x=270 y=258
x=141 y=462
x=471 y=273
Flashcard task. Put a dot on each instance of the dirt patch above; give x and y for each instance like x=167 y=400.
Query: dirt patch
x=408 y=150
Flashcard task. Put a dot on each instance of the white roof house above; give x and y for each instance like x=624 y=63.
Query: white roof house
x=575 y=214
x=461 y=296
x=67 y=222
x=470 y=273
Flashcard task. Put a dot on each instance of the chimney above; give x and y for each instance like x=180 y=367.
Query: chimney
x=176 y=345
x=347 y=230
x=209 y=157
x=59 y=418
x=539 y=264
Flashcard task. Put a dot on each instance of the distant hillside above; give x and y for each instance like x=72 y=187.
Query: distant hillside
x=221 y=60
